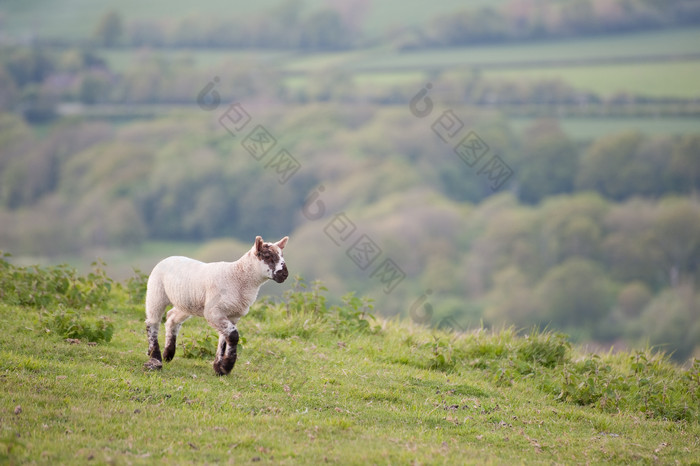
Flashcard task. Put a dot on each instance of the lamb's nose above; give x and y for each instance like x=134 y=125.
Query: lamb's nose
x=282 y=275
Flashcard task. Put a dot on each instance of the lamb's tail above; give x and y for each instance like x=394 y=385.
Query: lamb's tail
x=156 y=298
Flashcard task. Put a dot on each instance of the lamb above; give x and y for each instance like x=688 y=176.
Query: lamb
x=221 y=292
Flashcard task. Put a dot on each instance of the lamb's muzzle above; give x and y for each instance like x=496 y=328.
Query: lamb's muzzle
x=281 y=275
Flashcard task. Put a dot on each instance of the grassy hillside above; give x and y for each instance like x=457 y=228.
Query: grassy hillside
x=315 y=383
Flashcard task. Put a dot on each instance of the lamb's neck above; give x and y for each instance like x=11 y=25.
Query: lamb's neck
x=246 y=274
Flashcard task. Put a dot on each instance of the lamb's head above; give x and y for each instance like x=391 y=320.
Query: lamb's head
x=270 y=259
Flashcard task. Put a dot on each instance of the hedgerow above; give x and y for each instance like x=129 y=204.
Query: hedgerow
x=43 y=287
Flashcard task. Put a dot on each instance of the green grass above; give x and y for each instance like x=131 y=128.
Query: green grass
x=314 y=384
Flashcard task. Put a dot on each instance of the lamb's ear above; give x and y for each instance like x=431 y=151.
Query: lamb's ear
x=283 y=242
x=258 y=244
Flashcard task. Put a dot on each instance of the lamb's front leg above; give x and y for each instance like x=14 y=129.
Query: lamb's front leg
x=220 y=350
x=226 y=351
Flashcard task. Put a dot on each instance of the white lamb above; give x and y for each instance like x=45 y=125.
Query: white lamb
x=221 y=292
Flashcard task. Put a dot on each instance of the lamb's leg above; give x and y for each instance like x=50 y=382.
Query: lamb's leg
x=156 y=360
x=156 y=302
x=172 y=326
x=228 y=342
x=228 y=359
x=220 y=350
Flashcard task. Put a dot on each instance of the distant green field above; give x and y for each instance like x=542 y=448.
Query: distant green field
x=513 y=55
x=390 y=78
x=532 y=61
x=651 y=66
x=660 y=79
x=121 y=60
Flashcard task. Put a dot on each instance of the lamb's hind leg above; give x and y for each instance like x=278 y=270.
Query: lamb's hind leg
x=156 y=301
x=172 y=326
x=155 y=360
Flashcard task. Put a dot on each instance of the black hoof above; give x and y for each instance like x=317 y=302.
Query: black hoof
x=153 y=365
x=224 y=365
x=169 y=353
x=218 y=369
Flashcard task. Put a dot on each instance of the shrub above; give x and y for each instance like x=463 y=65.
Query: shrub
x=136 y=287
x=204 y=345
x=545 y=349
x=69 y=324
x=353 y=316
x=647 y=384
x=200 y=346
x=299 y=301
x=442 y=354
x=44 y=287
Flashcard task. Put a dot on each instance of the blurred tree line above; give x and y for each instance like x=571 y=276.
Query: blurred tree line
x=605 y=270
x=181 y=178
x=293 y=25
x=289 y=25
x=36 y=80
x=284 y=26
x=539 y=19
